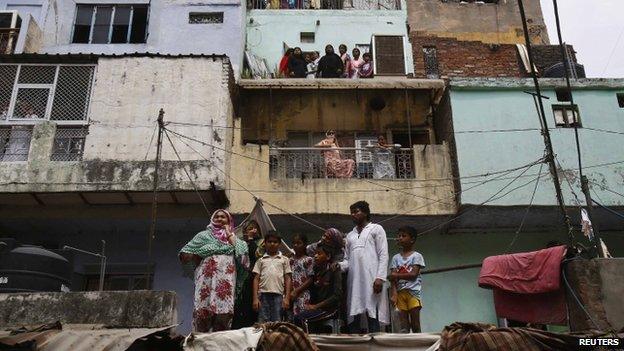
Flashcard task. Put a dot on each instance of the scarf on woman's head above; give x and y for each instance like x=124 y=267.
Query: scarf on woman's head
x=217 y=229
x=213 y=241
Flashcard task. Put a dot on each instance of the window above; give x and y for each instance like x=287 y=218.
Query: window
x=15 y=143
x=563 y=94
x=306 y=37
x=68 y=144
x=567 y=116
x=430 y=55
x=620 y=99
x=389 y=58
x=45 y=92
x=205 y=17
x=110 y=24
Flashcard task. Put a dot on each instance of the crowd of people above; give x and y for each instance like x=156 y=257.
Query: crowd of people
x=294 y=64
x=258 y=278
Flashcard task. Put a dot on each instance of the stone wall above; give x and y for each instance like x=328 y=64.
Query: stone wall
x=127 y=309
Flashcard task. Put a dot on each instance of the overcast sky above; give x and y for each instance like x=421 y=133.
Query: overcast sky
x=596 y=29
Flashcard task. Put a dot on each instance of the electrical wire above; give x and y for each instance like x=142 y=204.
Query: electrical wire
x=251 y=193
x=187 y=174
x=618 y=214
x=526 y=213
x=472 y=209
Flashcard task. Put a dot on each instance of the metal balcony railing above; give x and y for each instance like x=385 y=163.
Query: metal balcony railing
x=325 y=4
x=8 y=39
x=370 y=163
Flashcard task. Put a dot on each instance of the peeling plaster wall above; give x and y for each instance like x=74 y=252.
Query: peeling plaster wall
x=269 y=30
x=490 y=23
x=126 y=97
x=168 y=29
x=494 y=104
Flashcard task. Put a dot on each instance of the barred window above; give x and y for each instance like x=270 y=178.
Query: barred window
x=68 y=144
x=110 y=24
x=15 y=143
x=45 y=92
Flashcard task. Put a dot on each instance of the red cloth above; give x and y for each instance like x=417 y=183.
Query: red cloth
x=283 y=65
x=527 y=286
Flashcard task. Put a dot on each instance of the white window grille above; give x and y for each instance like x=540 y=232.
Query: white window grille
x=68 y=144
x=34 y=92
x=110 y=24
x=15 y=143
x=566 y=116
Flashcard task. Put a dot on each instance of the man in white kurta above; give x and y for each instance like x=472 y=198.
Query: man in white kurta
x=366 y=260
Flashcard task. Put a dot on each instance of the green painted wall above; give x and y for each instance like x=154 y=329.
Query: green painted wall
x=503 y=108
x=269 y=30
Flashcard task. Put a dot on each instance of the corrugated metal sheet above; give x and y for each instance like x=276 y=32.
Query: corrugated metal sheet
x=77 y=338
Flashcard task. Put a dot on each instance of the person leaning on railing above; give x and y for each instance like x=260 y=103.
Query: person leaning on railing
x=335 y=165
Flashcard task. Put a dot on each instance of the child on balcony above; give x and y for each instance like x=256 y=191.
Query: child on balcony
x=366 y=69
x=407 y=281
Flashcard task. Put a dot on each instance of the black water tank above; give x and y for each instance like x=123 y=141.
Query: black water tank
x=32 y=268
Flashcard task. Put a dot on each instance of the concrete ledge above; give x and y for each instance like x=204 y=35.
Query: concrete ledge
x=127 y=309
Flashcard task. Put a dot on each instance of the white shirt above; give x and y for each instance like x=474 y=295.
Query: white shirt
x=366 y=259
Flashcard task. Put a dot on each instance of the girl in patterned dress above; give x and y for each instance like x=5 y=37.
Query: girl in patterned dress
x=302 y=267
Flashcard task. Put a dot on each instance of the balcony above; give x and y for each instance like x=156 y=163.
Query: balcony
x=325 y=4
x=8 y=40
x=360 y=163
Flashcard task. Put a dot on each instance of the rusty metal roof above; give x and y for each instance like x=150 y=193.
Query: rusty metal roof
x=78 y=337
x=343 y=83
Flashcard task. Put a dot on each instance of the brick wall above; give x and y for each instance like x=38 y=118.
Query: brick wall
x=467 y=58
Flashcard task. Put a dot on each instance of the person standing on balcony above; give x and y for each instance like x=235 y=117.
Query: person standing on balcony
x=335 y=165
x=346 y=60
x=330 y=65
x=283 y=65
x=366 y=260
x=220 y=262
x=313 y=65
x=383 y=159
x=356 y=63
x=367 y=68
x=297 y=66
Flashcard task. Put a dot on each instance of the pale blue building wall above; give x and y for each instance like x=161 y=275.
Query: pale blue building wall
x=169 y=30
x=501 y=104
x=269 y=30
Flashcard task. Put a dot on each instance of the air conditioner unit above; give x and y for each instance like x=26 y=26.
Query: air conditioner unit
x=10 y=23
x=10 y=20
x=389 y=55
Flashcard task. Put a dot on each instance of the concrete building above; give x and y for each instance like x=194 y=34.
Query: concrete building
x=489 y=21
x=77 y=150
x=166 y=27
x=496 y=130
x=313 y=25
